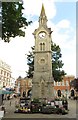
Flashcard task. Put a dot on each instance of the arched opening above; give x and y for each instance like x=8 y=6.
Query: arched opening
x=72 y=93
x=24 y=94
x=41 y=46
x=29 y=93
x=42 y=88
x=59 y=93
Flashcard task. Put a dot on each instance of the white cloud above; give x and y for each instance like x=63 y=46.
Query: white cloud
x=67 y=42
x=63 y=24
x=34 y=8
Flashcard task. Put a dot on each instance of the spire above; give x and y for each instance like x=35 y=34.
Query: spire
x=42 y=11
x=42 y=18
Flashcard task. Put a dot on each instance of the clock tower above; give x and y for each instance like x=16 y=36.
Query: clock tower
x=43 y=87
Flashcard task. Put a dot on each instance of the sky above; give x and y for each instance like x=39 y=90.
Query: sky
x=62 y=21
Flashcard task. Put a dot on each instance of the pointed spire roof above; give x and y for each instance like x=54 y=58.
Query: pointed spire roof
x=42 y=11
x=42 y=18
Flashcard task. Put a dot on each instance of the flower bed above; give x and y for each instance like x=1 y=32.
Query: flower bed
x=56 y=106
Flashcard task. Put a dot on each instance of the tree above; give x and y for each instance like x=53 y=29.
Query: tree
x=13 y=20
x=74 y=83
x=57 y=64
x=30 y=63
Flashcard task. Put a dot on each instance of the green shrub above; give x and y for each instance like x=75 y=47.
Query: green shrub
x=35 y=100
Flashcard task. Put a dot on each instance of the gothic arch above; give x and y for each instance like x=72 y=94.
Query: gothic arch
x=42 y=86
x=72 y=93
x=29 y=93
x=59 y=93
x=42 y=46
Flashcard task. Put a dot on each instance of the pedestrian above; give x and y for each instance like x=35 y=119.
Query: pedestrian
x=3 y=109
x=10 y=102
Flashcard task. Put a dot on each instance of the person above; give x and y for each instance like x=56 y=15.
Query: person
x=10 y=102
x=3 y=109
x=8 y=97
x=65 y=104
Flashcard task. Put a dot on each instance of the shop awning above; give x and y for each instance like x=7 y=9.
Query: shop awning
x=5 y=92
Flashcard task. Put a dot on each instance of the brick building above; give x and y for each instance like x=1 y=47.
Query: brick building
x=63 y=86
x=25 y=84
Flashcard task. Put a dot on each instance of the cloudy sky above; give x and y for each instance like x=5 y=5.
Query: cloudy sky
x=61 y=19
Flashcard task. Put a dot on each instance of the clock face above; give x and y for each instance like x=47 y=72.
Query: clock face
x=42 y=34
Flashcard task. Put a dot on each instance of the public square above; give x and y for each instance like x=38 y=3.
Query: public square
x=41 y=70
x=10 y=111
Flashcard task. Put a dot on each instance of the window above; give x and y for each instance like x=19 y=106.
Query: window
x=42 y=46
x=63 y=83
x=59 y=83
x=59 y=93
x=67 y=83
x=5 y=78
x=2 y=78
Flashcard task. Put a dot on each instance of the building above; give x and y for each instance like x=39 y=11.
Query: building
x=64 y=86
x=74 y=88
x=42 y=79
x=5 y=75
x=12 y=82
x=25 y=84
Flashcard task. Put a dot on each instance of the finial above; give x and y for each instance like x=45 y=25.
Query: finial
x=42 y=10
x=42 y=18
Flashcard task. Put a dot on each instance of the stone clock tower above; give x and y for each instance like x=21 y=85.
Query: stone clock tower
x=42 y=78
